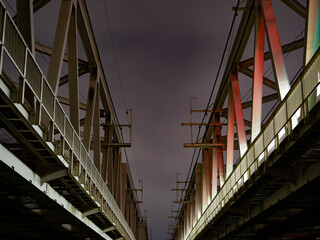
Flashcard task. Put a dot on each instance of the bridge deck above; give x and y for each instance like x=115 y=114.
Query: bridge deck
x=277 y=180
x=43 y=144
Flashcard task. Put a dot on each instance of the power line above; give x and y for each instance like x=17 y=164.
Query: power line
x=120 y=79
x=212 y=90
x=214 y=84
x=114 y=52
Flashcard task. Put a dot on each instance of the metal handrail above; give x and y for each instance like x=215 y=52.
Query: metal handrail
x=308 y=88
x=14 y=45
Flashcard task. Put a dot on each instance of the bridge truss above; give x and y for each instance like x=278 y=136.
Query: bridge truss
x=272 y=190
x=62 y=175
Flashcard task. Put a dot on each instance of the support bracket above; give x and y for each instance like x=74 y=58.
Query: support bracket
x=55 y=175
x=90 y=212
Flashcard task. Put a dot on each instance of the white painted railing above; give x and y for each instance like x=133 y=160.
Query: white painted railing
x=13 y=44
x=300 y=100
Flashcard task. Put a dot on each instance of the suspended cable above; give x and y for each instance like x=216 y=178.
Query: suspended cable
x=119 y=77
x=211 y=95
x=114 y=52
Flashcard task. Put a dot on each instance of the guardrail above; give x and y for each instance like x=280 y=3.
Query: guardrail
x=31 y=75
x=300 y=100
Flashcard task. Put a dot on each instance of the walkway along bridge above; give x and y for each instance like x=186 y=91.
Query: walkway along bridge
x=61 y=171
x=273 y=191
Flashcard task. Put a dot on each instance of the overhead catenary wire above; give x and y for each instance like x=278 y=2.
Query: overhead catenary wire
x=114 y=52
x=211 y=93
x=119 y=78
x=215 y=81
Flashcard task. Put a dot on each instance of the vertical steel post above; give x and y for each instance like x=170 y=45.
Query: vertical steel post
x=214 y=181
x=110 y=168
x=276 y=48
x=105 y=150
x=258 y=75
x=219 y=150
x=192 y=208
x=185 y=222
x=73 y=75
x=59 y=44
x=123 y=187
x=91 y=100
x=239 y=113
x=25 y=22
x=206 y=178
x=96 y=133
x=230 y=134
x=198 y=202
x=313 y=29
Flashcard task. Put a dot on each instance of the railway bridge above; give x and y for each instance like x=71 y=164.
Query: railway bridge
x=261 y=181
x=62 y=170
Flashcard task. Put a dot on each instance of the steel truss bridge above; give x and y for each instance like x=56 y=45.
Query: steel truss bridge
x=61 y=170
x=273 y=190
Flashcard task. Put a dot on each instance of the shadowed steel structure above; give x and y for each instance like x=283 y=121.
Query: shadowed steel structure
x=272 y=191
x=61 y=171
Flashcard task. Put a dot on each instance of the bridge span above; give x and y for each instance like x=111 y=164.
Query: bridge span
x=273 y=190
x=62 y=173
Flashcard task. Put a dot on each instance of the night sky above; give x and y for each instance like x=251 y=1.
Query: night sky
x=167 y=51
x=162 y=53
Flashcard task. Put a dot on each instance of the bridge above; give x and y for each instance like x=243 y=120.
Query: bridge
x=262 y=181
x=62 y=170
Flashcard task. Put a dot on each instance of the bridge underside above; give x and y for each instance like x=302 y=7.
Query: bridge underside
x=28 y=213
x=272 y=190
x=61 y=176
x=281 y=201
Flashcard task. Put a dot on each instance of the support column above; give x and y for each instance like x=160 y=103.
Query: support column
x=105 y=150
x=116 y=175
x=59 y=44
x=124 y=188
x=258 y=75
x=313 y=29
x=276 y=48
x=312 y=42
x=214 y=182
x=96 y=133
x=185 y=222
x=91 y=101
x=132 y=215
x=239 y=113
x=73 y=72
x=188 y=217
x=230 y=136
x=25 y=22
x=198 y=201
x=192 y=209
x=206 y=178
x=219 y=150
x=128 y=199
x=110 y=168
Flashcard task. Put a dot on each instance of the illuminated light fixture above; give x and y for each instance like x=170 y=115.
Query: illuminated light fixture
x=295 y=118
x=271 y=147
x=245 y=176
x=282 y=134
x=261 y=158
x=318 y=87
x=240 y=182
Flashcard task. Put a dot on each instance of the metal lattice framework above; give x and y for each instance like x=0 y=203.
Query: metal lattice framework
x=246 y=200
x=78 y=160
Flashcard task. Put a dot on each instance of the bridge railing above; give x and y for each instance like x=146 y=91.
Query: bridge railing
x=49 y=113
x=300 y=100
